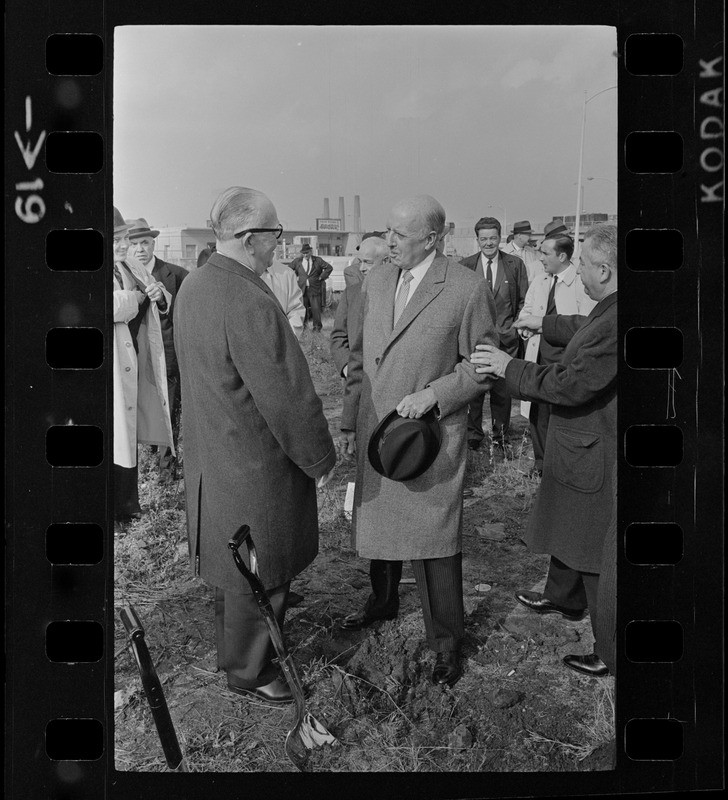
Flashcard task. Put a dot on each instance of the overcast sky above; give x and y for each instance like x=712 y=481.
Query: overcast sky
x=476 y=116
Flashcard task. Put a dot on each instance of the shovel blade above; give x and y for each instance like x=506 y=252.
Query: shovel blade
x=308 y=734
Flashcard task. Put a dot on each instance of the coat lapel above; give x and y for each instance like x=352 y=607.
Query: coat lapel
x=431 y=285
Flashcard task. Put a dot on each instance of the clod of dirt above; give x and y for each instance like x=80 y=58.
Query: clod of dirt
x=460 y=738
x=492 y=531
x=505 y=698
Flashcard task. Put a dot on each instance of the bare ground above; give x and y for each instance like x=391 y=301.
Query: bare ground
x=517 y=708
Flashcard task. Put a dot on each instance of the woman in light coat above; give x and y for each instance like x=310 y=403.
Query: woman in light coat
x=141 y=407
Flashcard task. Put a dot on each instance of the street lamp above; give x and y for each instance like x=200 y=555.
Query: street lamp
x=505 y=221
x=581 y=162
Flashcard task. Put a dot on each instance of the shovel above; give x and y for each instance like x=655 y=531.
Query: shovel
x=308 y=732
x=153 y=690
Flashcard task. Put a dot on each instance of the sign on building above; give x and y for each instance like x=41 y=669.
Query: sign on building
x=328 y=224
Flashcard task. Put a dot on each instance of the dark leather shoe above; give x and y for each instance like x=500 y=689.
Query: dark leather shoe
x=589 y=664
x=447 y=668
x=539 y=604
x=275 y=693
x=363 y=619
x=294 y=599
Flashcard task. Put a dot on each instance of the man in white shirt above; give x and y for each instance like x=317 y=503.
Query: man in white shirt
x=557 y=290
x=281 y=280
x=519 y=246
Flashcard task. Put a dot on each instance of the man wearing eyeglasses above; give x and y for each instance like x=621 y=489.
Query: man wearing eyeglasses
x=315 y=270
x=410 y=354
x=255 y=436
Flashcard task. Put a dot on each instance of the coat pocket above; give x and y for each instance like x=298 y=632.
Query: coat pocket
x=577 y=459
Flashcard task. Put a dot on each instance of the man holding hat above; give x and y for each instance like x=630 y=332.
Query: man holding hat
x=409 y=360
x=141 y=405
x=315 y=270
x=141 y=246
x=519 y=246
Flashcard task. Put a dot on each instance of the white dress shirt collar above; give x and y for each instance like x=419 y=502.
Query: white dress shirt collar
x=418 y=273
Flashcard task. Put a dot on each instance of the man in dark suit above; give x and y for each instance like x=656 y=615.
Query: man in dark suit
x=315 y=270
x=574 y=508
x=507 y=279
x=256 y=438
x=373 y=251
x=141 y=247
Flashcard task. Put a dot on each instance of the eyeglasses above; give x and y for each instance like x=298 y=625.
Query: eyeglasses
x=278 y=231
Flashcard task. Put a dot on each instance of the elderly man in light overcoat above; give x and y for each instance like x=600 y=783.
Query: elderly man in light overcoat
x=255 y=436
x=574 y=505
x=416 y=364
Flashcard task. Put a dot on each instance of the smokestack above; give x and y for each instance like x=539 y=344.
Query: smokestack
x=326 y=208
x=342 y=216
x=357 y=214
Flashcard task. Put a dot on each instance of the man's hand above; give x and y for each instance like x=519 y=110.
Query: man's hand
x=155 y=294
x=324 y=479
x=490 y=360
x=531 y=323
x=347 y=445
x=416 y=405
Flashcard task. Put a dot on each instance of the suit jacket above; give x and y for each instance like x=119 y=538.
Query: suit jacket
x=171 y=276
x=346 y=323
x=574 y=504
x=448 y=314
x=320 y=270
x=509 y=293
x=255 y=435
x=353 y=275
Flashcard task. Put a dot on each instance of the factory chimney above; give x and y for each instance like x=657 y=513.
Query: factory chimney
x=326 y=208
x=342 y=216
x=357 y=214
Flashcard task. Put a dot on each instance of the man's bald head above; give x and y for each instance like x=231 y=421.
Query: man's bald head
x=414 y=228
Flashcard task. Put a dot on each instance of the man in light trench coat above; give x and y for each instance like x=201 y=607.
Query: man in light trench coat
x=141 y=403
x=415 y=364
x=255 y=436
x=574 y=506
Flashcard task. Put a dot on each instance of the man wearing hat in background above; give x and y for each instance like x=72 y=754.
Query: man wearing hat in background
x=141 y=247
x=141 y=405
x=519 y=246
x=507 y=280
x=316 y=270
x=410 y=354
x=556 y=227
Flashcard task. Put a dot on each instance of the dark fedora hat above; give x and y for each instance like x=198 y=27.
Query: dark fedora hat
x=119 y=225
x=140 y=228
x=524 y=226
x=378 y=234
x=401 y=448
x=555 y=228
x=306 y=247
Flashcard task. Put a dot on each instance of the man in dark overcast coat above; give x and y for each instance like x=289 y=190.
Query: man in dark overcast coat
x=255 y=436
x=574 y=506
x=315 y=270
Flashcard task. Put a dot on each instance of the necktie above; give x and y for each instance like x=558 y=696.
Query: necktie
x=117 y=275
x=402 y=296
x=489 y=273
x=551 y=302
x=308 y=266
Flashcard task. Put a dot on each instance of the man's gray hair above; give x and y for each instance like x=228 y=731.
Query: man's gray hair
x=602 y=240
x=235 y=209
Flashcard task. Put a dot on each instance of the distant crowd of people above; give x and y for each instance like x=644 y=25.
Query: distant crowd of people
x=418 y=339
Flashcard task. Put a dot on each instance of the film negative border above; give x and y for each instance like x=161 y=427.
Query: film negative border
x=61 y=710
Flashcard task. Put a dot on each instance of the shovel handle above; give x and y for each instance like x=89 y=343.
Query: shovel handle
x=153 y=689
x=243 y=535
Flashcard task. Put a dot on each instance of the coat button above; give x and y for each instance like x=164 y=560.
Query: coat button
x=128 y=344
x=377 y=360
x=130 y=408
x=127 y=369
